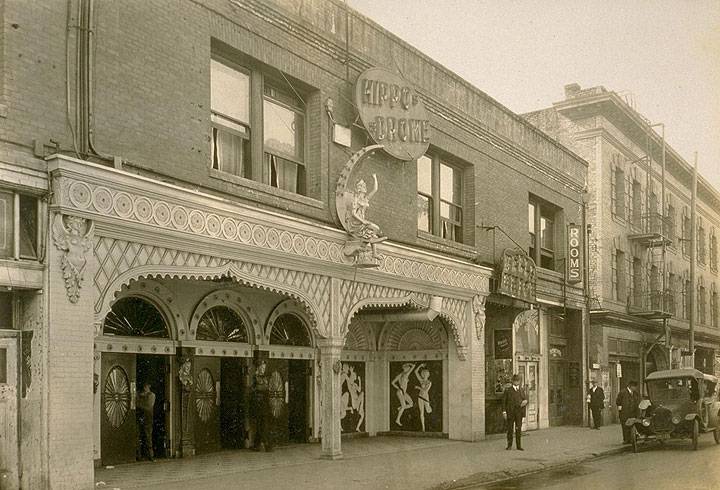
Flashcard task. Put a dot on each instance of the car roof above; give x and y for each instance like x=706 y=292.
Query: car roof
x=680 y=373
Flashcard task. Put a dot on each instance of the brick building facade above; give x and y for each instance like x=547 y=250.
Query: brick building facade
x=170 y=180
x=640 y=240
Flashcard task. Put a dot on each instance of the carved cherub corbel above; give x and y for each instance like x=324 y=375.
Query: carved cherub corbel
x=74 y=236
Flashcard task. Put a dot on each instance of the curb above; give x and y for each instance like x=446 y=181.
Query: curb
x=503 y=475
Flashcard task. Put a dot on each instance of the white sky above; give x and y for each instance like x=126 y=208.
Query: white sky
x=665 y=53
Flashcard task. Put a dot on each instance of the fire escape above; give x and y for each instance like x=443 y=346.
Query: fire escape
x=654 y=230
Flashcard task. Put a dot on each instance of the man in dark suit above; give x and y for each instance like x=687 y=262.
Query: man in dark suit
x=514 y=402
x=627 y=402
x=596 y=402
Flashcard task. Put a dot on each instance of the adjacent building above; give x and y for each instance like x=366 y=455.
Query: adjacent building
x=187 y=195
x=640 y=209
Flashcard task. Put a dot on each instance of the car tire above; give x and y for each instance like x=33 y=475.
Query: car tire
x=716 y=434
x=634 y=438
x=695 y=434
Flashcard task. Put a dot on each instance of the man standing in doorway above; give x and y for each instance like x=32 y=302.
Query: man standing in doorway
x=145 y=412
x=627 y=403
x=596 y=402
x=514 y=403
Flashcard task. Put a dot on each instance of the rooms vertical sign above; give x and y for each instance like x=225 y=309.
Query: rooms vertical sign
x=574 y=251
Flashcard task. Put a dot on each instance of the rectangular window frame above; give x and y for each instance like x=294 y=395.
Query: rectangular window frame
x=260 y=165
x=19 y=235
x=446 y=228
x=538 y=249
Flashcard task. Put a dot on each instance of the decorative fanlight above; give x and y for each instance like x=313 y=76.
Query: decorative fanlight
x=204 y=394
x=135 y=317
x=288 y=329
x=116 y=396
x=276 y=389
x=222 y=324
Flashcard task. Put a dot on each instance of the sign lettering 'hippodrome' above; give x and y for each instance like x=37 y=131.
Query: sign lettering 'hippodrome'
x=392 y=113
x=574 y=268
x=517 y=276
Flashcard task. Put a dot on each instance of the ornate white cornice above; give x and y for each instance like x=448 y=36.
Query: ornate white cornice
x=123 y=199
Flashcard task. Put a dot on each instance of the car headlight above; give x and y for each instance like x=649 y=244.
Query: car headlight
x=676 y=420
x=646 y=422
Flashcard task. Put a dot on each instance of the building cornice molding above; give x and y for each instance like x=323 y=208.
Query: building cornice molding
x=134 y=208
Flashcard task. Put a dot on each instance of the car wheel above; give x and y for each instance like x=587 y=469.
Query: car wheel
x=695 y=434
x=716 y=434
x=634 y=438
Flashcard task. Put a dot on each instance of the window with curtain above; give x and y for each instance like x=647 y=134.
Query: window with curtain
x=271 y=117
x=230 y=117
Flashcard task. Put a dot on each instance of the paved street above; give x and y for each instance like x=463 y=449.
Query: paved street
x=674 y=466
x=370 y=463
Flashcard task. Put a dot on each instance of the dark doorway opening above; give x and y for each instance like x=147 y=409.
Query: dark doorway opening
x=233 y=396
x=298 y=373
x=154 y=370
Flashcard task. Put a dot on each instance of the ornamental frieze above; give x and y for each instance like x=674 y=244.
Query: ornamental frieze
x=142 y=209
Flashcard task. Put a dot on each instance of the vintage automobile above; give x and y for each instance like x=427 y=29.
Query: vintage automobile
x=682 y=403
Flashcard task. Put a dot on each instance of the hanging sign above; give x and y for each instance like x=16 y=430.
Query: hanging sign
x=574 y=261
x=517 y=276
x=392 y=113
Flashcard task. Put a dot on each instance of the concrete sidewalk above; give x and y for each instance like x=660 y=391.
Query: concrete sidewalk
x=371 y=463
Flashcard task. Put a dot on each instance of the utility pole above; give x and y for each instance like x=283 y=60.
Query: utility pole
x=693 y=258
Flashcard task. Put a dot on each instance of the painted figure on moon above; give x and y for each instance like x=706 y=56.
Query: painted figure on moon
x=357 y=222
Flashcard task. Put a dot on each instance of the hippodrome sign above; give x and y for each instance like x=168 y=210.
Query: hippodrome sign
x=574 y=269
x=392 y=113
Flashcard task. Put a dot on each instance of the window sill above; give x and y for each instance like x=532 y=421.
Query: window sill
x=264 y=188
x=436 y=240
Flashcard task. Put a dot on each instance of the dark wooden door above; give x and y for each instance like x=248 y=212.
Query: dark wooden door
x=298 y=372
x=233 y=399
x=277 y=372
x=556 y=393
x=118 y=425
x=206 y=403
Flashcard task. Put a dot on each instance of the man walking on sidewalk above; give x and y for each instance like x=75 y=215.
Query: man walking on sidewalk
x=627 y=403
x=596 y=402
x=514 y=402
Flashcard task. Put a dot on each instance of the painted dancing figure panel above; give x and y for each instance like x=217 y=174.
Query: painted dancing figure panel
x=416 y=396
x=352 y=396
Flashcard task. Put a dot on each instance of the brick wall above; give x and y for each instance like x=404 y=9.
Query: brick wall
x=70 y=380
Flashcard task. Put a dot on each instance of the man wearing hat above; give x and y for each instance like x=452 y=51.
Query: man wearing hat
x=514 y=403
x=596 y=402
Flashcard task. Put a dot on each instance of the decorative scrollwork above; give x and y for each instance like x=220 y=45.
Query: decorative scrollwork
x=116 y=396
x=74 y=236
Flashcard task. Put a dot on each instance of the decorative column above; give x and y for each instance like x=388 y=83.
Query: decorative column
x=330 y=349
x=186 y=379
x=477 y=360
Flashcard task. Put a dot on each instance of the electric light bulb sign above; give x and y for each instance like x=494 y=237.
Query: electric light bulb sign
x=574 y=267
x=392 y=113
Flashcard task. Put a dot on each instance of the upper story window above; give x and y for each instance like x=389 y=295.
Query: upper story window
x=714 y=307
x=670 y=221
x=619 y=292
x=637 y=205
x=19 y=226
x=542 y=231
x=701 y=245
x=701 y=303
x=685 y=239
x=258 y=127
x=617 y=189
x=713 y=250
x=440 y=198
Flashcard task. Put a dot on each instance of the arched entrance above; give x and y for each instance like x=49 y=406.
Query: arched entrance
x=290 y=353
x=136 y=346
x=221 y=389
